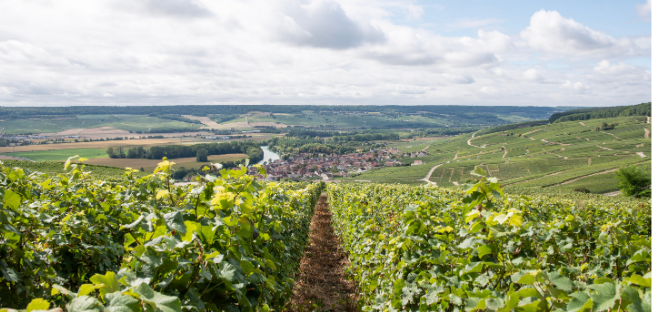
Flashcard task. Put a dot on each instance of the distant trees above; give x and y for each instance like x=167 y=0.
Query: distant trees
x=251 y=148
x=118 y=152
x=642 y=109
x=634 y=181
x=202 y=155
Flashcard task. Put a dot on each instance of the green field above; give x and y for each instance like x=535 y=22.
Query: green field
x=121 y=122
x=62 y=154
x=554 y=156
x=55 y=168
x=368 y=120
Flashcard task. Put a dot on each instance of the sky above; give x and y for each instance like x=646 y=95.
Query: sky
x=326 y=52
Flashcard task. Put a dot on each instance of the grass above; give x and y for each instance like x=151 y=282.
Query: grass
x=62 y=154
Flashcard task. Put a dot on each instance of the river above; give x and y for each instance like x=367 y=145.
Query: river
x=268 y=155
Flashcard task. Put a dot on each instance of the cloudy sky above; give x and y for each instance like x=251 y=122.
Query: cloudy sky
x=168 y=52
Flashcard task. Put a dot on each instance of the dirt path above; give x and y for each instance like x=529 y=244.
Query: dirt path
x=322 y=284
x=505 y=154
x=472 y=137
x=647 y=131
x=616 y=193
x=425 y=148
x=610 y=134
x=427 y=178
x=586 y=176
x=641 y=154
x=581 y=123
x=204 y=120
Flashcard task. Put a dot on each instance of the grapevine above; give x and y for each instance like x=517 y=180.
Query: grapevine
x=430 y=249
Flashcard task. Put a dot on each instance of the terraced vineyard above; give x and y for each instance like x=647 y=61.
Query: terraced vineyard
x=433 y=249
x=554 y=156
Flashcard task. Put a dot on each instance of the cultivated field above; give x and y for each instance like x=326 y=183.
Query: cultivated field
x=102 y=144
x=150 y=164
x=73 y=126
x=61 y=154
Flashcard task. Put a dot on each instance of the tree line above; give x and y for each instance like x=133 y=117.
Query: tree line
x=223 y=110
x=201 y=151
x=642 y=109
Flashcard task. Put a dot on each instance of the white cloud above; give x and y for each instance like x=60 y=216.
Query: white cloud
x=576 y=86
x=475 y=23
x=604 y=67
x=414 y=11
x=550 y=32
x=488 y=90
x=532 y=75
x=325 y=24
x=292 y=52
x=188 y=8
x=644 y=10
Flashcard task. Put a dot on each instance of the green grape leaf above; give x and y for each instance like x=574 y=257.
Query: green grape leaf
x=86 y=289
x=174 y=221
x=638 y=280
x=484 y=250
x=11 y=199
x=580 y=302
x=157 y=300
x=116 y=302
x=562 y=282
x=38 y=304
x=85 y=304
x=191 y=227
x=109 y=283
x=494 y=303
x=605 y=298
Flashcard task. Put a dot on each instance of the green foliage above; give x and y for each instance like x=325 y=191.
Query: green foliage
x=634 y=181
x=54 y=168
x=642 y=109
x=430 y=249
x=141 y=244
x=202 y=155
x=251 y=148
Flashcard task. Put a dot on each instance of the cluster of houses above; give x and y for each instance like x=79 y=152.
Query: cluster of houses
x=22 y=137
x=323 y=166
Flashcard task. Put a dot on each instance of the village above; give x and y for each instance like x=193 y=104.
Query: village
x=322 y=166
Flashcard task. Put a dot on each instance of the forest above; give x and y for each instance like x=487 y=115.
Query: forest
x=251 y=148
x=642 y=109
x=203 y=110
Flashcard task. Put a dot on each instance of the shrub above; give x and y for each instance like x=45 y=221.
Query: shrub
x=633 y=181
x=582 y=190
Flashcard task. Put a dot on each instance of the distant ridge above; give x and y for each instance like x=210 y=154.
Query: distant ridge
x=642 y=109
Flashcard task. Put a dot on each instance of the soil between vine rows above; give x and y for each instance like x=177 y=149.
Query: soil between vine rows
x=322 y=283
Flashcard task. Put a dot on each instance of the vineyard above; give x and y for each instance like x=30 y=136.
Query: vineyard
x=430 y=249
x=232 y=243
x=141 y=244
